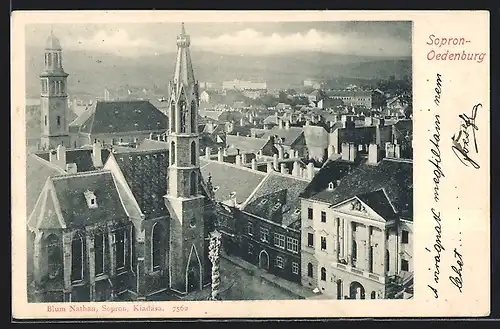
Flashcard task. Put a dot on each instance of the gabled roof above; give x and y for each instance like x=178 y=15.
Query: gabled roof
x=228 y=178
x=393 y=176
x=284 y=192
x=246 y=144
x=289 y=135
x=105 y=117
x=145 y=172
x=38 y=171
x=81 y=156
x=152 y=145
x=379 y=202
x=63 y=203
x=316 y=136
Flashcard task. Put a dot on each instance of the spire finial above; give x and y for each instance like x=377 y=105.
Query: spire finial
x=183 y=30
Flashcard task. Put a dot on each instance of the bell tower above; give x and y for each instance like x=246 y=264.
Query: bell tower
x=184 y=200
x=54 y=99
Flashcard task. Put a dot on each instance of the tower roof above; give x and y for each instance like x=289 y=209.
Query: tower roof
x=183 y=74
x=52 y=42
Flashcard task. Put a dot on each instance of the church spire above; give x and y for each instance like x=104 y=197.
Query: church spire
x=183 y=74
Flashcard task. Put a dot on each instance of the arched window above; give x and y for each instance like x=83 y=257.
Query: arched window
x=54 y=256
x=194 y=112
x=156 y=247
x=99 y=251
x=172 y=117
x=193 y=153
x=77 y=258
x=373 y=295
x=172 y=153
x=323 y=274
x=49 y=58
x=183 y=115
x=387 y=260
x=193 y=182
x=310 y=270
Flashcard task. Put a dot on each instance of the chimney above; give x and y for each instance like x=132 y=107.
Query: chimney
x=308 y=122
x=269 y=166
x=389 y=150
x=237 y=133
x=275 y=161
x=310 y=170
x=296 y=169
x=238 y=160
x=243 y=158
x=287 y=125
x=242 y=121
x=71 y=168
x=345 y=151
x=96 y=154
x=331 y=150
x=353 y=152
x=158 y=138
x=61 y=156
x=208 y=150
x=150 y=135
x=368 y=121
x=280 y=152
x=220 y=156
x=224 y=152
x=373 y=154
x=280 y=123
x=254 y=164
x=283 y=169
x=397 y=151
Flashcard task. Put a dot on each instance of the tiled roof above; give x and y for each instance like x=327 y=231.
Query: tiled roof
x=75 y=211
x=378 y=201
x=281 y=191
x=229 y=178
x=106 y=117
x=245 y=144
x=316 y=136
x=272 y=119
x=395 y=177
x=146 y=174
x=82 y=157
x=37 y=172
x=404 y=127
x=290 y=135
x=151 y=145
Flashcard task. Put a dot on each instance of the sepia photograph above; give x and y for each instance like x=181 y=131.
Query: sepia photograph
x=219 y=161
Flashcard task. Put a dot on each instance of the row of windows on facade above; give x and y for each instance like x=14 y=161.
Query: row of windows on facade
x=54 y=59
x=46 y=120
x=279 y=261
x=292 y=244
x=183 y=114
x=56 y=87
x=350 y=98
x=122 y=251
x=310 y=215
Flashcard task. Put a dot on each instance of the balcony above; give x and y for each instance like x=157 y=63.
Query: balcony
x=359 y=272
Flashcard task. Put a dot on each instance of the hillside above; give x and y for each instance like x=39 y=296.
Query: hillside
x=92 y=72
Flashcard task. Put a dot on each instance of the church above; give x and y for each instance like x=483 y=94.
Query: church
x=133 y=228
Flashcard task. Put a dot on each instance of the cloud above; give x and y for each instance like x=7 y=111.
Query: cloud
x=117 y=42
x=250 y=41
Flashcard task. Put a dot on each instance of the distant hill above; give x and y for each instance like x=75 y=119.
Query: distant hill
x=91 y=72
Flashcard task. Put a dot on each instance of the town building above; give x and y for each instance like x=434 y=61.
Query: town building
x=357 y=228
x=352 y=97
x=134 y=227
x=243 y=85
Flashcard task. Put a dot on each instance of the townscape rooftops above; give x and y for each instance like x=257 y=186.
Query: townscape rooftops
x=146 y=174
x=82 y=157
x=290 y=135
x=229 y=180
x=152 y=145
x=245 y=144
x=106 y=117
x=348 y=93
x=316 y=136
x=70 y=191
x=273 y=185
x=394 y=176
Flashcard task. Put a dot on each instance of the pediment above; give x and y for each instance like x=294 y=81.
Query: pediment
x=358 y=208
x=309 y=228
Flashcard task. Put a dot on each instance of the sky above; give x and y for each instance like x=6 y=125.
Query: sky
x=385 y=39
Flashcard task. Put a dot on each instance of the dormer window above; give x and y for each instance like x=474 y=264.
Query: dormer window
x=277 y=206
x=263 y=201
x=331 y=186
x=215 y=188
x=91 y=199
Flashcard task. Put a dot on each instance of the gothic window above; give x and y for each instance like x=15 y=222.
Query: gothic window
x=172 y=153
x=310 y=270
x=99 y=250
x=183 y=116
x=58 y=120
x=323 y=274
x=193 y=117
x=54 y=256
x=156 y=247
x=172 y=117
x=193 y=153
x=193 y=183
x=77 y=258
x=46 y=61
x=120 y=249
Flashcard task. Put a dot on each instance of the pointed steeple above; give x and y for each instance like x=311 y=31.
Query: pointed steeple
x=183 y=74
